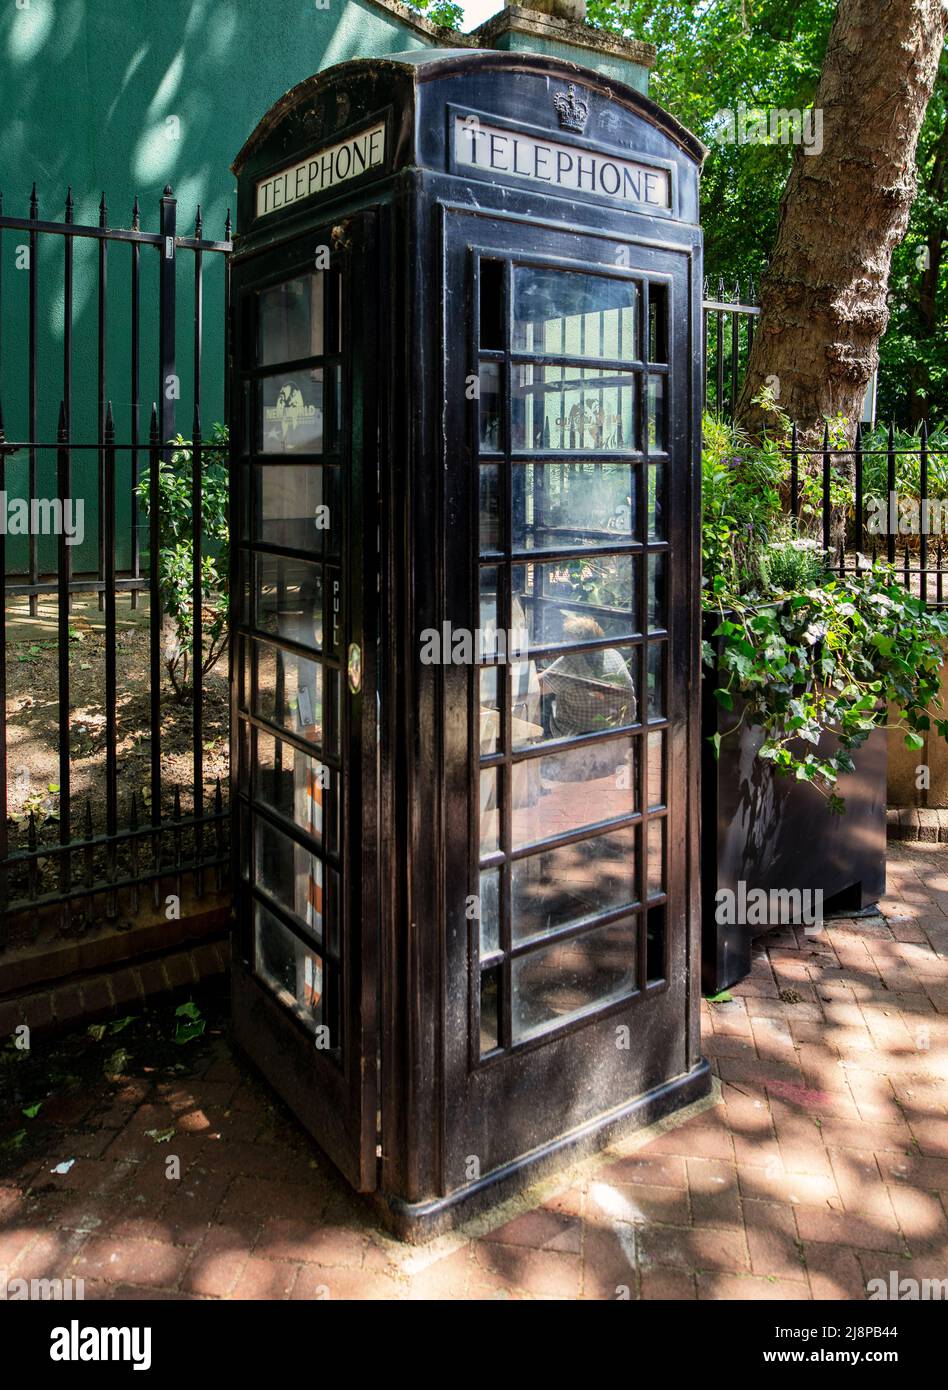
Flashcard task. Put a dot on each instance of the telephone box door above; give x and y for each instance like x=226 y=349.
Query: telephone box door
x=304 y=682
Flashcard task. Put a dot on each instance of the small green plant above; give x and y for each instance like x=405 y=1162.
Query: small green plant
x=813 y=659
x=176 y=555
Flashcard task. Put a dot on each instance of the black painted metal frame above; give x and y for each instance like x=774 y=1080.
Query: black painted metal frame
x=410 y=950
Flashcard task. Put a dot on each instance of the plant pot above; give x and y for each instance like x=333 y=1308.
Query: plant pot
x=762 y=831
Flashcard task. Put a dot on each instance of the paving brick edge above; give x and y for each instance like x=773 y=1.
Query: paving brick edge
x=927 y=824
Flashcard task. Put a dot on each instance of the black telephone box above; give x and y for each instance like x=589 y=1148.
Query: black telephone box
x=466 y=310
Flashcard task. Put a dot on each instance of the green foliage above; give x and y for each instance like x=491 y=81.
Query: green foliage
x=811 y=658
x=441 y=12
x=176 y=554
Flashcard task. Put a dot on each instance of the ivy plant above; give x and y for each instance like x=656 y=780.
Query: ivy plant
x=813 y=659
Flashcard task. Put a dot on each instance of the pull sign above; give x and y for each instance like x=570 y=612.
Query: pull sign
x=355 y=667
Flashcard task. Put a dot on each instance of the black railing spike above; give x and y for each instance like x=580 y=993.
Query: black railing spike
x=169 y=191
x=61 y=428
x=109 y=421
x=198 y=224
x=69 y=204
x=736 y=290
x=923 y=433
x=227 y=226
x=155 y=435
x=720 y=289
x=133 y=812
x=826 y=435
x=891 y=437
x=196 y=423
x=136 y=215
x=218 y=799
x=103 y=212
x=177 y=802
x=34 y=205
x=31 y=833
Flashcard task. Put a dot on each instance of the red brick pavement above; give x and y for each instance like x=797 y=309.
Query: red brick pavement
x=823 y=1164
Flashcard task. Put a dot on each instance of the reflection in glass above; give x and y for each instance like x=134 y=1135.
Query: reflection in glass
x=656 y=591
x=576 y=787
x=655 y=847
x=656 y=769
x=490 y=709
x=291 y=412
x=587 y=692
x=656 y=680
x=562 y=887
x=656 y=412
x=556 y=982
x=292 y=971
x=490 y=1006
x=490 y=810
x=299 y=787
x=491 y=533
x=658 y=323
x=655 y=501
x=556 y=505
x=288 y=598
x=290 y=874
x=574 y=315
x=296 y=504
x=490 y=911
x=489 y=407
x=291 y=320
x=601 y=591
x=289 y=691
x=572 y=408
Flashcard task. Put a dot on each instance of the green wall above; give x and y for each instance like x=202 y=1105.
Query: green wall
x=126 y=97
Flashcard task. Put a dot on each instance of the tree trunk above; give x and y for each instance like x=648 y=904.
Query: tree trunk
x=823 y=297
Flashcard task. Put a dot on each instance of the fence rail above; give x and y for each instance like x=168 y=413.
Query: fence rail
x=107 y=842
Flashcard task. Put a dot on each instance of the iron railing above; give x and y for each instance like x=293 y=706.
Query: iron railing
x=101 y=848
x=729 y=320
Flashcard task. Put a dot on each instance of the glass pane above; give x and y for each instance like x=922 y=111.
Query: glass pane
x=490 y=710
x=492 y=304
x=289 y=691
x=656 y=592
x=291 y=411
x=299 y=787
x=583 y=693
x=656 y=412
x=491 y=524
x=490 y=810
x=490 y=911
x=490 y=1002
x=574 y=315
x=655 y=943
x=571 y=601
x=656 y=680
x=291 y=320
x=290 y=874
x=290 y=969
x=572 y=408
x=656 y=769
x=658 y=323
x=556 y=505
x=288 y=599
x=488 y=616
x=656 y=857
x=655 y=501
x=489 y=407
x=295 y=506
x=556 y=982
x=562 y=887
x=572 y=789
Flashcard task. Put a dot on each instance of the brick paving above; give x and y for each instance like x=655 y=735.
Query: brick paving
x=822 y=1163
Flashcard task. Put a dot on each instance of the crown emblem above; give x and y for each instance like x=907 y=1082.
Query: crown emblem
x=571 y=109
